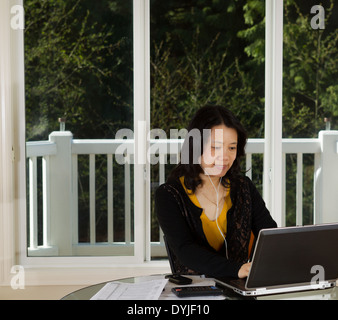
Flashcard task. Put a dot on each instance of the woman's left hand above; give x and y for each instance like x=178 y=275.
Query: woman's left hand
x=244 y=270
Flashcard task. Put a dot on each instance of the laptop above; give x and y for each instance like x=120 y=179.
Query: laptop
x=290 y=259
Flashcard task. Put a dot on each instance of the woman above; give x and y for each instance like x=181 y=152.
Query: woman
x=207 y=209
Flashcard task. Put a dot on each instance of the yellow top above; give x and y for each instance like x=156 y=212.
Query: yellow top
x=210 y=228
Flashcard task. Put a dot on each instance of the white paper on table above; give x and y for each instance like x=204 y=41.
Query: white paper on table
x=147 y=290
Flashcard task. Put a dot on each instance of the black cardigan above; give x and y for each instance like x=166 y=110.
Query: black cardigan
x=180 y=221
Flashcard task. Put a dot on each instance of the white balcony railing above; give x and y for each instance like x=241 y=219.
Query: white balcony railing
x=53 y=214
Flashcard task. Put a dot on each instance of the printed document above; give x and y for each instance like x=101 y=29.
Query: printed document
x=147 y=290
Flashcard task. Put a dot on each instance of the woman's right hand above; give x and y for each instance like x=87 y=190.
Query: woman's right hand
x=244 y=270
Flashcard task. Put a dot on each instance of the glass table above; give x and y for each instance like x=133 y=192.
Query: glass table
x=88 y=292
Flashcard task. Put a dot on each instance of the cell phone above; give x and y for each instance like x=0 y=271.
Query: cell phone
x=197 y=291
x=178 y=279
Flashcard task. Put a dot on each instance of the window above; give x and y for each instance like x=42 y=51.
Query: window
x=79 y=70
x=310 y=68
x=205 y=52
x=79 y=78
x=309 y=92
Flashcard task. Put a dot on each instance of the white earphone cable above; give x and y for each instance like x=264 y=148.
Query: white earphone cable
x=219 y=229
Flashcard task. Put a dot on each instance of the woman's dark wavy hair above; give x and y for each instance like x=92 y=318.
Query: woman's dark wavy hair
x=206 y=118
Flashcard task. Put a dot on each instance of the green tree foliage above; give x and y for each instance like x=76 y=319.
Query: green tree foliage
x=310 y=70
x=79 y=66
x=198 y=58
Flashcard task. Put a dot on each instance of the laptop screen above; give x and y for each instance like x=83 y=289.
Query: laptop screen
x=285 y=256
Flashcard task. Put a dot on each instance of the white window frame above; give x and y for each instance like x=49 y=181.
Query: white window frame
x=272 y=173
x=141 y=170
x=12 y=143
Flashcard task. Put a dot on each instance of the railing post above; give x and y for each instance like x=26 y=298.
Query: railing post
x=61 y=192
x=326 y=179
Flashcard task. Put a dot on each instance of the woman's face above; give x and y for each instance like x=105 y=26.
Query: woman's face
x=220 y=151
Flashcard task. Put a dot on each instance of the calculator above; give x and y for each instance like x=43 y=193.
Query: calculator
x=195 y=291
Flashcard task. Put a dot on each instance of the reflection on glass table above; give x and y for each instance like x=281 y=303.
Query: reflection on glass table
x=88 y=292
